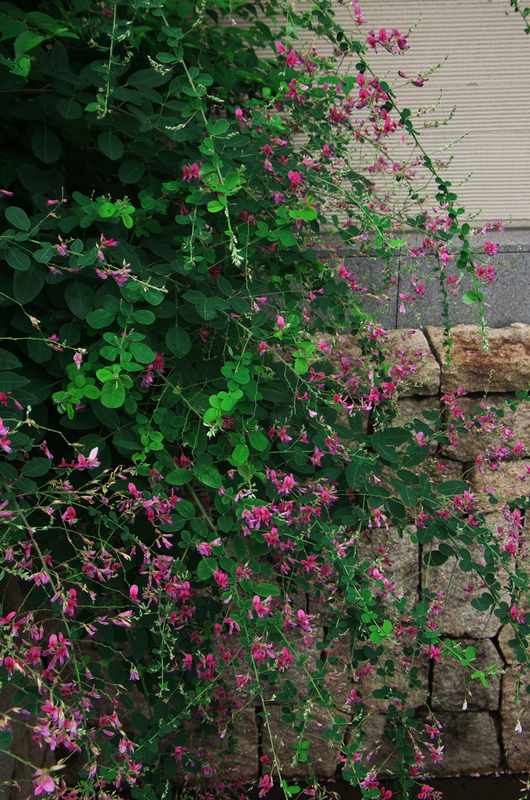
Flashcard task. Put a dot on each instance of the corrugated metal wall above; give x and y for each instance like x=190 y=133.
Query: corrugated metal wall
x=487 y=77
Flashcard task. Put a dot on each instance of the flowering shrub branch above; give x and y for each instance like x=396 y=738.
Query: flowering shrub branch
x=186 y=459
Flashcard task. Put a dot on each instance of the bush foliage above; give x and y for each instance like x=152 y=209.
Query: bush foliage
x=186 y=456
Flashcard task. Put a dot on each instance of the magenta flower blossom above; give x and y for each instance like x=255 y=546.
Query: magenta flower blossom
x=4 y=441
x=190 y=172
x=69 y=515
x=88 y=463
x=43 y=782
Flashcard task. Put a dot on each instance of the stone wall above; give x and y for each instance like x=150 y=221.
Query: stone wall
x=480 y=724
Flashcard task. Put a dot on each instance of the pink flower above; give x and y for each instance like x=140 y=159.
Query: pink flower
x=265 y=785
x=280 y=321
x=69 y=515
x=4 y=442
x=78 y=359
x=295 y=178
x=103 y=242
x=88 y=463
x=43 y=782
x=284 y=436
x=188 y=173
x=434 y=652
x=262 y=347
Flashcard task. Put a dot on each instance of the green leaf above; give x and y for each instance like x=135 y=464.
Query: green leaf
x=356 y=474
x=207 y=309
x=91 y=391
x=178 y=341
x=110 y=145
x=17 y=216
x=138 y=643
x=240 y=454
x=258 y=440
x=208 y=475
x=142 y=353
x=397 y=509
x=8 y=471
x=239 y=547
x=140 y=722
x=27 y=284
x=214 y=206
x=225 y=286
x=100 y=318
x=8 y=360
x=301 y=366
x=397 y=436
x=287 y=238
x=112 y=394
x=220 y=127
x=144 y=317
x=131 y=171
x=107 y=210
x=69 y=108
x=6 y=738
x=484 y=602
x=17 y=259
x=36 y=467
x=435 y=559
x=46 y=146
x=473 y=296
x=266 y=590
x=206 y=568
x=79 y=298
x=178 y=477
x=231 y=181
x=26 y=41
x=380 y=445
x=450 y=488
x=9 y=381
x=185 y=509
x=409 y=495
x=121 y=439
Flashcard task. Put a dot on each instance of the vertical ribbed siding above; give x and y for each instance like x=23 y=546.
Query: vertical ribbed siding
x=487 y=78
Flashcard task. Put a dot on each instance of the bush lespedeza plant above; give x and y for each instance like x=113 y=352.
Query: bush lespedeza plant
x=194 y=510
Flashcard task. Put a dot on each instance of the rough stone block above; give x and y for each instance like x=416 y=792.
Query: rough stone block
x=409 y=409
x=413 y=345
x=518 y=422
x=506 y=635
x=504 y=367
x=515 y=720
x=453 y=686
x=471 y=744
x=237 y=756
x=457 y=589
x=509 y=481
x=305 y=655
x=279 y=739
x=399 y=681
x=378 y=751
x=410 y=345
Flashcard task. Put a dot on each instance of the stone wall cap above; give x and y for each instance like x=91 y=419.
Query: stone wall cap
x=504 y=367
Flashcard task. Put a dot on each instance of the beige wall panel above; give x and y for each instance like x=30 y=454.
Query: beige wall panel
x=486 y=76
